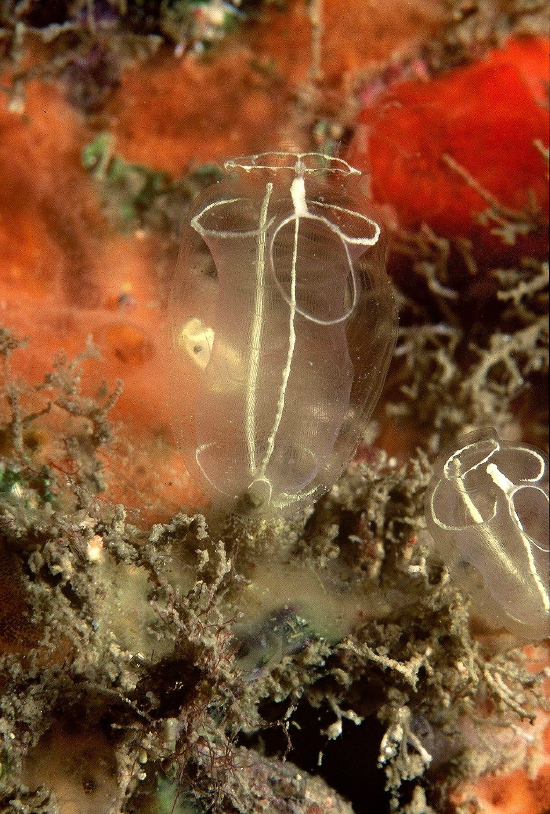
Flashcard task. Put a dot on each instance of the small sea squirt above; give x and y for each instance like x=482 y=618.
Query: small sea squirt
x=487 y=510
x=283 y=324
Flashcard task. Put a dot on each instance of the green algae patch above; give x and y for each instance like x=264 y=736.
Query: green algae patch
x=135 y=196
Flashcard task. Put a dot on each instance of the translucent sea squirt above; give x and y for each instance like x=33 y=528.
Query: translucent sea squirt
x=487 y=510
x=283 y=326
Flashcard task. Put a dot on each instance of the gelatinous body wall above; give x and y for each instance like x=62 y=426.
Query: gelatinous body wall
x=487 y=509
x=284 y=324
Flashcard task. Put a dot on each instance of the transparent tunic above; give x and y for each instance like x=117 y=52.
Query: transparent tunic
x=283 y=326
x=487 y=510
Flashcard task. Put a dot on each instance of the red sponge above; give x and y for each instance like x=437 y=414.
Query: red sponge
x=487 y=117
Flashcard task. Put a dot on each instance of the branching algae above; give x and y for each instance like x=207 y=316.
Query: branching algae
x=283 y=324
x=487 y=509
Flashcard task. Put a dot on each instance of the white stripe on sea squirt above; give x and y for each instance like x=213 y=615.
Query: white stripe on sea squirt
x=284 y=324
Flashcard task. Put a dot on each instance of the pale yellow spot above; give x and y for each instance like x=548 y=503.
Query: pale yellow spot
x=197 y=340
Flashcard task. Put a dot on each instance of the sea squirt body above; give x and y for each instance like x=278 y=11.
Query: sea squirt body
x=487 y=510
x=283 y=324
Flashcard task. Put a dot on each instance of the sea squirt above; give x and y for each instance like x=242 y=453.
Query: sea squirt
x=487 y=510
x=283 y=324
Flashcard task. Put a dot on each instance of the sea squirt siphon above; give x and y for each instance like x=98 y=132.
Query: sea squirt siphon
x=283 y=324
x=487 y=510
